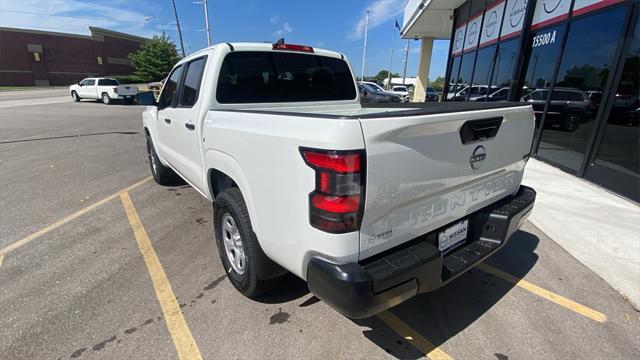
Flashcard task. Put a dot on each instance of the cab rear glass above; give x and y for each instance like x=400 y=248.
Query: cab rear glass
x=275 y=77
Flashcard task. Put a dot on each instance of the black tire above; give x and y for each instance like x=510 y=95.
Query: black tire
x=571 y=122
x=105 y=98
x=249 y=283
x=75 y=96
x=161 y=174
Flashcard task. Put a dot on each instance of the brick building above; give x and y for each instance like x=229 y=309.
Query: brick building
x=34 y=57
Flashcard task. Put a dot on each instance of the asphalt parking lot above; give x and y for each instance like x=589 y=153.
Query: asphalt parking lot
x=97 y=261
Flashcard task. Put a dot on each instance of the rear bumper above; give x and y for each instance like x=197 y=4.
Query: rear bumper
x=360 y=290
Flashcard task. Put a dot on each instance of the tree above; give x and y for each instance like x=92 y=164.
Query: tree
x=438 y=84
x=155 y=58
x=382 y=75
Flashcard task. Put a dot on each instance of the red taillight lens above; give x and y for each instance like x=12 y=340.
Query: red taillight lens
x=333 y=161
x=293 y=47
x=335 y=205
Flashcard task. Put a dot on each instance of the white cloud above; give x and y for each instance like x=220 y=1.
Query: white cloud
x=74 y=16
x=284 y=29
x=274 y=19
x=380 y=11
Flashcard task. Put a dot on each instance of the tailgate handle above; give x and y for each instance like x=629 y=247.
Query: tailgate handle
x=480 y=130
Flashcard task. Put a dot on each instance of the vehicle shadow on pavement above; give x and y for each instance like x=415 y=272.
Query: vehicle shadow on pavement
x=440 y=315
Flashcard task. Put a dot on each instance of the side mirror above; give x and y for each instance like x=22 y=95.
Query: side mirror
x=147 y=98
x=526 y=98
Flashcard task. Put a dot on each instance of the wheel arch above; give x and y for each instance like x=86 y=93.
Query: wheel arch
x=224 y=171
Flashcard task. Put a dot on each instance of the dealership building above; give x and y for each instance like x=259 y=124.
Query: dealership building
x=577 y=62
x=42 y=58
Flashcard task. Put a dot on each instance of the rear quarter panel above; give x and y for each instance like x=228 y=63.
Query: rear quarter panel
x=260 y=152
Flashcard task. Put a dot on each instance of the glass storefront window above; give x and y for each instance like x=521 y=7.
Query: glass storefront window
x=617 y=163
x=503 y=71
x=481 y=82
x=464 y=77
x=545 y=49
x=583 y=72
x=453 y=77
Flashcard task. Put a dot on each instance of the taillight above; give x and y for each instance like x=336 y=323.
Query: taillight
x=337 y=202
x=115 y=90
x=292 y=47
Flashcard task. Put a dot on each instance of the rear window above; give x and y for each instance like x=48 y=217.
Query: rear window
x=273 y=77
x=108 y=82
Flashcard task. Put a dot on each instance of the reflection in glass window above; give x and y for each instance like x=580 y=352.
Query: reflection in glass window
x=503 y=71
x=466 y=67
x=617 y=164
x=545 y=50
x=453 y=77
x=570 y=122
x=482 y=72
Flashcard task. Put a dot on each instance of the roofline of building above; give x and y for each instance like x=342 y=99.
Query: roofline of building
x=44 y=32
x=100 y=31
x=92 y=29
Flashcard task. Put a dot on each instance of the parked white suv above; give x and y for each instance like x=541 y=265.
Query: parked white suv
x=369 y=205
x=401 y=91
x=104 y=89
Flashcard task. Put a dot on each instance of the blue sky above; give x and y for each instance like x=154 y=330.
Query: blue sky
x=330 y=24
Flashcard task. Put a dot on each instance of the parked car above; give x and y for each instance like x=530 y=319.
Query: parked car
x=370 y=94
x=501 y=94
x=568 y=107
x=371 y=206
x=103 y=89
x=431 y=94
x=474 y=92
x=377 y=86
x=401 y=91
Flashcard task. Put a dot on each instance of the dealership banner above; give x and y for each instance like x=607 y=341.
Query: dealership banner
x=584 y=6
x=458 y=39
x=473 y=32
x=492 y=23
x=515 y=11
x=549 y=12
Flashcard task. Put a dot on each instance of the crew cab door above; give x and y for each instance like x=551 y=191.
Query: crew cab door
x=87 y=89
x=178 y=123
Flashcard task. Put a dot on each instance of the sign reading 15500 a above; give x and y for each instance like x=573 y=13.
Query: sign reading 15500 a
x=543 y=39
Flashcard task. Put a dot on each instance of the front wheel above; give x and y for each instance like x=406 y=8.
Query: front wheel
x=238 y=246
x=161 y=174
x=571 y=122
x=106 y=99
x=75 y=96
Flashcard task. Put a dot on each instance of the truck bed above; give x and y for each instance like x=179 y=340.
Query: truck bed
x=371 y=111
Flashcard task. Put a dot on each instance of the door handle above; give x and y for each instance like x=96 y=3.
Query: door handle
x=190 y=126
x=167 y=120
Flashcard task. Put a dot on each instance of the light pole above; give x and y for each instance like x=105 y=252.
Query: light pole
x=406 y=56
x=206 y=19
x=175 y=14
x=364 y=48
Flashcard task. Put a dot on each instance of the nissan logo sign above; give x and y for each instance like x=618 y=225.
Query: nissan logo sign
x=473 y=31
x=477 y=157
x=491 y=24
x=551 y=8
x=515 y=11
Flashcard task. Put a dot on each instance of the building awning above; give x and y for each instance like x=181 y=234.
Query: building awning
x=429 y=18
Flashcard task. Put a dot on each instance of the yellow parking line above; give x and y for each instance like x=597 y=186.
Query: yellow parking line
x=178 y=329
x=413 y=337
x=546 y=294
x=65 y=220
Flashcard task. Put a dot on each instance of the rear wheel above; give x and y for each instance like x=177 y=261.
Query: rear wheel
x=571 y=122
x=75 y=96
x=238 y=246
x=161 y=174
x=106 y=99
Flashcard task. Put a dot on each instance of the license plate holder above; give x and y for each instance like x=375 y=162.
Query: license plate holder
x=453 y=235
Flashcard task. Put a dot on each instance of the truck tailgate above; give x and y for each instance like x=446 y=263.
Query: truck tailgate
x=124 y=90
x=426 y=171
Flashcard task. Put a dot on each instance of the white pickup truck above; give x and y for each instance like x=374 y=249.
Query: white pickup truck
x=104 y=89
x=370 y=206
